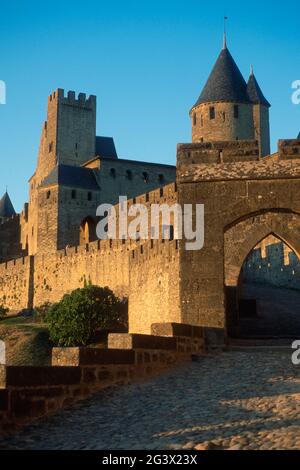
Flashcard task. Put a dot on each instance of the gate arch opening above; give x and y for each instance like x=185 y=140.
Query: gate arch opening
x=265 y=300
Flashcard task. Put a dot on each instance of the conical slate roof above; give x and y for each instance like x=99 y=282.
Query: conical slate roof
x=6 y=207
x=225 y=82
x=254 y=92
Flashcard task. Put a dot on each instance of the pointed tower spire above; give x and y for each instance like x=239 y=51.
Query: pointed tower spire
x=6 y=207
x=254 y=92
x=224 y=33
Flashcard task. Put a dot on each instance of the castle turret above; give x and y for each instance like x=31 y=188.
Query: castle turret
x=6 y=208
x=260 y=115
x=228 y=109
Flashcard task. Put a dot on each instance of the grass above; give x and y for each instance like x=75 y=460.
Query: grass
x=27 y=343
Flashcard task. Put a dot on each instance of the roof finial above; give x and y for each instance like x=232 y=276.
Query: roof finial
x=251 y=69
x=224 y=35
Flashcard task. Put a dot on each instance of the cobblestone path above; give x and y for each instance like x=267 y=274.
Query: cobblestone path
x=232 y=400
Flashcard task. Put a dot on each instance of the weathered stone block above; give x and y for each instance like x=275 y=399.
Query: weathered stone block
x=136 y=341
x=176 y=329
x=90 y=356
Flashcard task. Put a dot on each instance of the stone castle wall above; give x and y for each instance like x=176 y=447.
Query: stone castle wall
x=16 y=283
x=272 y=262
x=102 y=263
x=154 y=283
x=146 y=273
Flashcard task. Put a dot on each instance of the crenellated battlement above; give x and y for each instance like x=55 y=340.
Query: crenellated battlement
x=70 y=99
x=166 y=249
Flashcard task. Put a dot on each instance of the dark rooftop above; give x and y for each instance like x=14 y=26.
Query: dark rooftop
x=6 y=207
x=74 y=176
x=254 y=92
x=225 y=82
x=105 y=147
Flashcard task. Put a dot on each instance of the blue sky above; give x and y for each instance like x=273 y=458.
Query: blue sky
x=145 y=60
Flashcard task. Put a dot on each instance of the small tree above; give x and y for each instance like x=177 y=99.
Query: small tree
x=74 y=320
x=3 y=312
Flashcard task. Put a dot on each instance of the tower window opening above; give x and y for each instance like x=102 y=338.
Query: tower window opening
x=48 y=194
x=212 y=112
x=90 y=196
x=73 y=194
x=129 y=174
x=113 y=172
x=145 y=177
x=194 y=119
x=236 y=111
x=50 y=147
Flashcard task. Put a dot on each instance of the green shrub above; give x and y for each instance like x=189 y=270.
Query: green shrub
x=3 y=311
x=74 y=320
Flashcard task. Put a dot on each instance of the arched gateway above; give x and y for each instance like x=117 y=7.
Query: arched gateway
x=241 y=299
x=246 y=198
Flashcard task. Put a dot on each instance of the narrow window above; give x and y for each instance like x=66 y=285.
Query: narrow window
x=194 y=119
x=73 y=195
x=90 y=196
x=236 y=111
x=113 y=172
x=212 y=113
x=48 y=194
x=161 y=178
x=129 y=174
x=145 y=177
x=50 y=147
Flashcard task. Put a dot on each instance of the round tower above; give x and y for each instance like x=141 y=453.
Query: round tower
x=223 y=111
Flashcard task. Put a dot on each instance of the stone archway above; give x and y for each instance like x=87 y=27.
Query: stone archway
x=87 y=230
x=239 y=240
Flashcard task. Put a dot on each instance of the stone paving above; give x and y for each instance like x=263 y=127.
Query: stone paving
x=231 y=400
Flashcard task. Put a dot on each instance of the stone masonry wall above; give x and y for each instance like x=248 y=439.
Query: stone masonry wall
x=274 y=263
x=16 y=283
x=154 y=285
x=103 y=263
